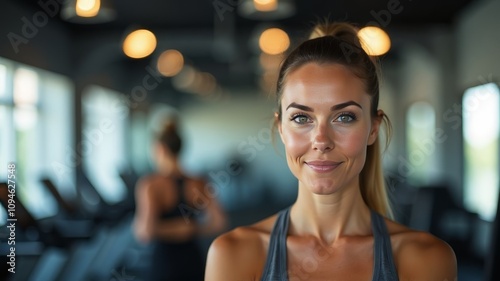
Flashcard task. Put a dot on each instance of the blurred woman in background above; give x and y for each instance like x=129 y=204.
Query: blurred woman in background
x=172 y=211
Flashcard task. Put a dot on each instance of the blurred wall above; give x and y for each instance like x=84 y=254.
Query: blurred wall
x=478 y=43
x=35 y=37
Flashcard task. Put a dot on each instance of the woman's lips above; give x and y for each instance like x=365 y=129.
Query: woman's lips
x=323 y=166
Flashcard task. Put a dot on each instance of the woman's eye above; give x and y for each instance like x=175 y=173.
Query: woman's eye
x=346 y=118
x=300 y=119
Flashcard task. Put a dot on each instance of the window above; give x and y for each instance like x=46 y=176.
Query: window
x=3 y=82
x=420 y=132
x=480 y=110
x=103 y=141
x=36 y=110
x=141 y=144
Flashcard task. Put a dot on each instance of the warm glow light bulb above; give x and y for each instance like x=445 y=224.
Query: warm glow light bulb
x=139 y=44
x=374 y=40
x=170 y=63
x=274 y=41
x=88 y=8
x=185 y=79
x=265 y=5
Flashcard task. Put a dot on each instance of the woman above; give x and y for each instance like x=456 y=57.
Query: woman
x=172 y=210
x=339 y=228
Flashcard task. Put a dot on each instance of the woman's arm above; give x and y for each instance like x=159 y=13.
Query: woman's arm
x=213 y=219
x=145 y=211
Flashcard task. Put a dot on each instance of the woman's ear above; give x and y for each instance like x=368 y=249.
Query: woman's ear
x=376 y=121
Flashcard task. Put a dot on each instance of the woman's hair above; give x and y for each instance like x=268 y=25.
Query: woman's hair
x=169 y=137
x=338 y=43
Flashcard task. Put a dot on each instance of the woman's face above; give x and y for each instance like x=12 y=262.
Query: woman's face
x=162 y=156
x=326 y=126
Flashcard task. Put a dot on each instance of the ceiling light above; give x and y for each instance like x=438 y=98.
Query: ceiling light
x=265 y=5
x=185 y=79
x=87 y=8
x=88 y=11
x=374 y=40
x=207 y=83
x=266 y=9
x=170 y=63
x=139 y=44
x=274 y=41
x=193 y=81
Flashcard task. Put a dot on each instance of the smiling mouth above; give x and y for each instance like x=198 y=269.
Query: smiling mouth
x=323 y=166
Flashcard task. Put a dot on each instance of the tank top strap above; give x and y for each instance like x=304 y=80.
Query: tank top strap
x=384 y=268
x=179 y=184
x=275 y=266
x=181 y=208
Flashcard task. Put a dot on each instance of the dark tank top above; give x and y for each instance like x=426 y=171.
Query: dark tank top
x=177 y=260
x=180 y=204
x=275 y=268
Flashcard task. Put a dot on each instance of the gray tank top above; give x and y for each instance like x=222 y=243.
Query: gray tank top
x=275 y=268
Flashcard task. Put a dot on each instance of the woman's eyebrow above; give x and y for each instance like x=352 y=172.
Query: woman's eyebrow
x=345 y=104
x=300 y=106
x=333 y=108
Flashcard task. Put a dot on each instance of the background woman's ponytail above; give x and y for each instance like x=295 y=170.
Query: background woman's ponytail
x=169 y=137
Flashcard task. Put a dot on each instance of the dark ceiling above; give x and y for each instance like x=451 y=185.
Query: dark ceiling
x=208 y=21
x=202 y=13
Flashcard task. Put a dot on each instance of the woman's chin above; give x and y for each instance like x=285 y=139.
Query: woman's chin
x=323 y=187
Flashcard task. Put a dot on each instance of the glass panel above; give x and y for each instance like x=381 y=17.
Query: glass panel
x=103 y=141
x=35 y=134
x=7 y=144
x=29 y=152
x=141 y=143
x=6 y=147
x=421 y=126
x=3 y=81
x=57 y=115
x=481 y=106
x=25 y=86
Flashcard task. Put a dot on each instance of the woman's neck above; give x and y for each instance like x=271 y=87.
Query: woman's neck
x=329 y=217
x=169 y=168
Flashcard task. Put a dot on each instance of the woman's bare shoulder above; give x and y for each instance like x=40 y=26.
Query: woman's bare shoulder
x=420 y=255
x=240 y=254
x=149 y=180
x=152 y=185
x=245 y=236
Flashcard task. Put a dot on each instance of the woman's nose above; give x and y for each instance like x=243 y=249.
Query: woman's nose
x=322 y=139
